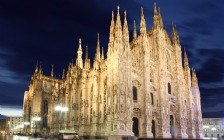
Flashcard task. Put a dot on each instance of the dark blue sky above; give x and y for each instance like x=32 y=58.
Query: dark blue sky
x=48 y=31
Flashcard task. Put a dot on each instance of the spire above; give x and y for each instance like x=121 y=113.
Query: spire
x=155 y=11
x=63 y=74
x=79 y=61
x=80 y=43
x=86 y=52
x=97 y=55
x=102 y=56
x=142 y=23
x=112 y=28
x=186 y=65
x=118 y=21
x=72 y=63
x=160 y=18
x=98 y=40
x=36 y=69
x=194 y=79
x=175 y=36
x=125 y=30
x=134 y=32
x=87 y=61
x=155 y=18
x=118 y=28
x=40 y=69
x=52 y=71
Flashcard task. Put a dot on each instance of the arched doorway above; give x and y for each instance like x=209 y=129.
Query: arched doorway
x=171 y=126
x=153 y=128
x=135 y=127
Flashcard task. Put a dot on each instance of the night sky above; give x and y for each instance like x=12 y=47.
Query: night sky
x=49 y=30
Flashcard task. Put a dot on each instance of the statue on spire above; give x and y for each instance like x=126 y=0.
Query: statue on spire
x=52 y=71
x=135 y=31
x=79 y=61
x=87 y=60
x=97 y=55
x=36 y=69
x=118 y=28
x=112 y=28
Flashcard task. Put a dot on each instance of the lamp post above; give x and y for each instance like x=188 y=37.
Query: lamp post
x=36 y=119
x=61 y=109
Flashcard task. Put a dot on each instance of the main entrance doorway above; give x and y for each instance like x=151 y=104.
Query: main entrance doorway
x=135 y=126
x=153 y=128
x=171 y=126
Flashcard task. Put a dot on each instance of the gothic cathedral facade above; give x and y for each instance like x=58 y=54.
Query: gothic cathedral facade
x=141 y=89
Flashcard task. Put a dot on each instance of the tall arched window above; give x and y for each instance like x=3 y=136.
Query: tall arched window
x=168 y=61
x=29 y=114
x=169 y=88
x=45 y=113
x=152 y=99
x=135 y=93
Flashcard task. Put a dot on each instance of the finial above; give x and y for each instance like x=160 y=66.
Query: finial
x=80 y=45
x=125 y=19
x=118 y=7
x=52 y=71
x=102 y=56
x=154 y=6
x=134 y=32
x=86 y=51
x=185 y=51
x=80 y=41
x=36 y=69
x=98 y=36
x=40 y=69
x=98 y=40
x=63 y=74
x=112 y=14
x=142 y=10
x=142 y=23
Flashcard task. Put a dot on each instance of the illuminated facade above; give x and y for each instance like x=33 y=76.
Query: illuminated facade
x=141 y=89
x=213 y=127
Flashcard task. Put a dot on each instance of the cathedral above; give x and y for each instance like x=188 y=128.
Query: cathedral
x=142 y=88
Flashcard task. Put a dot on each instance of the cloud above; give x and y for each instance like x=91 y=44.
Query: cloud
x=11 y=111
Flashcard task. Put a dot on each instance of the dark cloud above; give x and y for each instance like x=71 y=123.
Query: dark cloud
x=206 y=6
x=219 y=114
x=211 y=70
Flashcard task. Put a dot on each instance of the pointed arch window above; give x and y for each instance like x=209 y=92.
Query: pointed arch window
x=135 y=93
x=169 y=88
x=152 y=100
x=29 y=114
x=45 y=113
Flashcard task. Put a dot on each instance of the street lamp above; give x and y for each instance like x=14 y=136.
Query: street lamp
x=61 y=109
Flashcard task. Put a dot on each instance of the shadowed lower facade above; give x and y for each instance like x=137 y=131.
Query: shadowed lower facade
x=140 y=89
